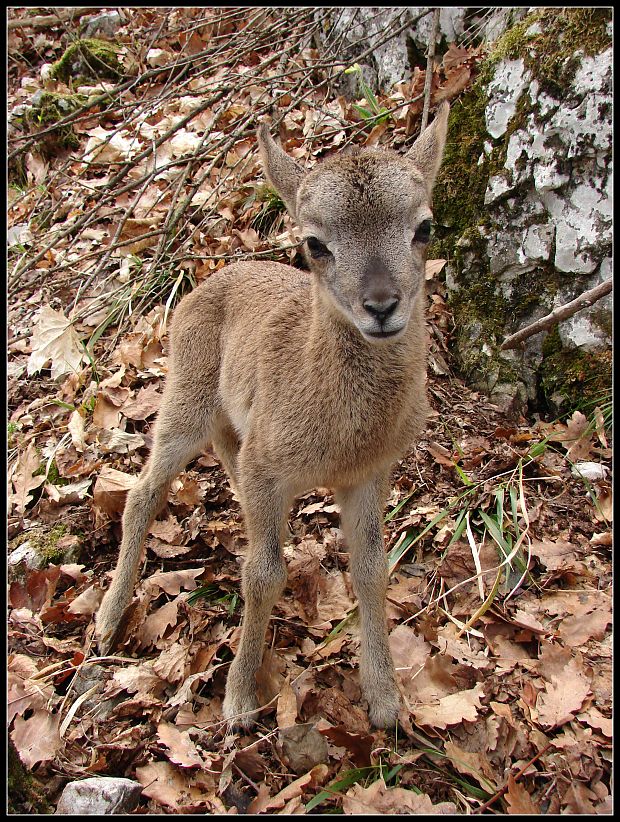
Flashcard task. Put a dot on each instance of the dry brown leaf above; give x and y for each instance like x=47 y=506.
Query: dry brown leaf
x=157 y=623
x=441 y=454
x=578 y=629
x=595 y=719
x=456 y=81
x=23 y=479
x=110 y=491
x=579 y=799
x=575 y=436
x=378 y=799
x=37 y=739
x=72 y=492
x=168 y=530
x=563 y=696
x=302 y=747
x=140 y=679
x=554 y=554
x=115 y=441
x=432 y=268
x=286 y=711
x=188 y=492
x=87 y=602
x=55 y=341
x=105 y=413
x=451 y=709
x=519 y=800
x=76 y=429
x=172 y=582
x=410 y=653
x=146 y=403
x=334 y=600
x=375 y=134
x=23 y=693
x=182 y=750
x=359 y=745
x=178 y=790
x=263 y=802
x=472 y=763
x=455 y=56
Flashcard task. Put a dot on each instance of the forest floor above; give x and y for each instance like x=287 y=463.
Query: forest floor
x=498 y=530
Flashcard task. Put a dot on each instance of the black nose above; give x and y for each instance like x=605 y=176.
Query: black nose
x=381 y=309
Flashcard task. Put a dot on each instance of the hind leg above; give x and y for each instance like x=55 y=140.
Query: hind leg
x=226 y=443
x=177 y=441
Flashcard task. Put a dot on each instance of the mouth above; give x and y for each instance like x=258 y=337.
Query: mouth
x=384 y=334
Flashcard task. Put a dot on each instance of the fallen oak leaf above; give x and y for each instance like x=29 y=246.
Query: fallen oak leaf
x=55 y=341
x=451 y=709
x=563 y=696
x=182 y=750
x=37 y=739
x=379 y=799
x=519 y=800
x=156 y=624
x=432 y=268
x=23 y=479
x=113 y=440
x=168 y=530
x=145 y=404
x=263 y=803
x=173 y=581
x=472 y=763
x=359 y=745
x=286 y=710
x=110 y=491
x=88 y=602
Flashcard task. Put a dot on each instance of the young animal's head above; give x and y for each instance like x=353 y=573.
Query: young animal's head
x=366 y=219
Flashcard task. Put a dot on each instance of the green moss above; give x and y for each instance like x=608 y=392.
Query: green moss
x=458 y=198
x=553 y=55
x=49 y=108
x=572 y=378
x=272 y=207
x=88 y=58
x=45 y=543
x=25 y=794
x=463 y=221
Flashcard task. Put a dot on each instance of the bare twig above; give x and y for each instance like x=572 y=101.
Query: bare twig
x=428 y=80
x=562 y=312
x=44 y=20
x=517 y=776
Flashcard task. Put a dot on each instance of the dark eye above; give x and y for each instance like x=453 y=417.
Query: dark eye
x=317 y=248
x=423 y=234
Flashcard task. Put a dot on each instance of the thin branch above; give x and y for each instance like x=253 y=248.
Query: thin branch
x=428 y=80
x=562 y=312
x=517 y=776
x=45 y=20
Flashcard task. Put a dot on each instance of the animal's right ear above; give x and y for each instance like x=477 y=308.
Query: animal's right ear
x=282 y=171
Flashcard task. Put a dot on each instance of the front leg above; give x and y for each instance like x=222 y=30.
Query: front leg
x=362 y=523
x=263 y=578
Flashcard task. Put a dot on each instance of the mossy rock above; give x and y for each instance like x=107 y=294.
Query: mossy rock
x=25 y=794
x=550 y=50
x=88 y=59
x=41 y=547
x=47 y=109
x=486 y=308
x=572 y=378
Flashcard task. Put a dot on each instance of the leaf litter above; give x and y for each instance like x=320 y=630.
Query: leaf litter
x=499 y=603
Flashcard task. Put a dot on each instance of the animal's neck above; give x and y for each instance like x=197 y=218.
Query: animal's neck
x=332 y=338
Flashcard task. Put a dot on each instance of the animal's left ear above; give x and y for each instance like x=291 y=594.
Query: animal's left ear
x=427 y=151
x=282 y=171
